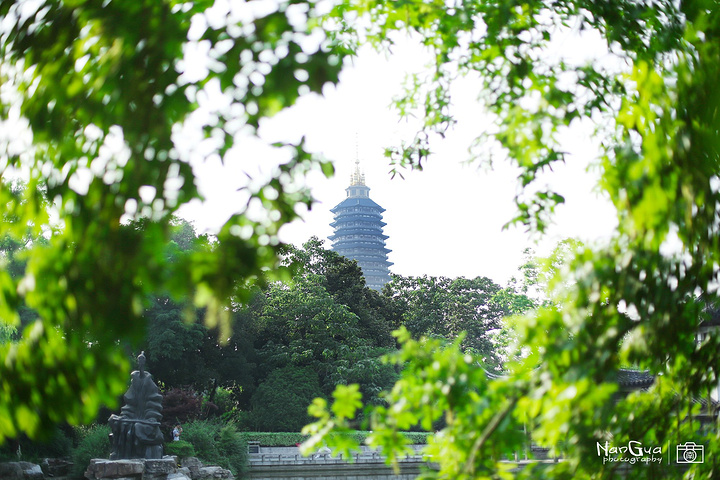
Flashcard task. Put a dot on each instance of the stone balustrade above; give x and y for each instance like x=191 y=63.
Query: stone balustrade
x=288 y=456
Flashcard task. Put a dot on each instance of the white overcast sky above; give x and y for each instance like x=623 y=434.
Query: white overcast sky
x=444 y=221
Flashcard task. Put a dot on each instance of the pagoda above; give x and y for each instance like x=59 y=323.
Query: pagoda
x=359 y=234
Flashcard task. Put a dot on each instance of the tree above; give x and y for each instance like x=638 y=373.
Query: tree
x=173 y=346
x=444 y=307
x=280 y=403
x=310 y=321
x=180 y=406
x=302 y=325
x=104 y=99
x=325 y=319
x=528 y=293
x=181 y=351
x=657 y=122
x=343 y=279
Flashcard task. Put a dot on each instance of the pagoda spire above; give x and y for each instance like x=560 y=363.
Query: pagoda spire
x=357 y=177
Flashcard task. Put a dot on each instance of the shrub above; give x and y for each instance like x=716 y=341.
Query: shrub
x=181 y=448
x=217 y=444
x=232 y=447
x=93 y=443
x=201 y=434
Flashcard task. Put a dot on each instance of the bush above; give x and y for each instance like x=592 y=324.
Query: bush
x=93 y=443
x=217 y=444
x=233 y=449
x=181 y=449
x=201 y=434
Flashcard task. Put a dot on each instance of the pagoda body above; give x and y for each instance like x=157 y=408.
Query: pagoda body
x=359 y=232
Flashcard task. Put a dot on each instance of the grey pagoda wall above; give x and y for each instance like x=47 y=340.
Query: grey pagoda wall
x=359 y=234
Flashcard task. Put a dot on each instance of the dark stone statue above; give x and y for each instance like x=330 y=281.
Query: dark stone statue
x=136 y=431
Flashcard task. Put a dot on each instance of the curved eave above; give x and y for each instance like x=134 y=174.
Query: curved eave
x=369 y=225
x=368 y=236
x=357 y=202
x=365 y=215
x=365 y=229
x=366 y=249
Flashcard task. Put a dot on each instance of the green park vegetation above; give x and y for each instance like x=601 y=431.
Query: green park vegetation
x=90 y=270
x=290 y=343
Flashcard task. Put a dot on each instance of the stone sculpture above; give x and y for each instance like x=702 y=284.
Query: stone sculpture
x=136 y=431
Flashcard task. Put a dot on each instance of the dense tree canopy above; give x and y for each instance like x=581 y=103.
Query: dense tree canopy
x=306 y=324
x=343 y=280
x=328 y=320
x=443 y=307
x=325 y=321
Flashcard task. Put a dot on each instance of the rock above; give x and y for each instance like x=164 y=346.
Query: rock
x=185 y=471
x=115 y=469
x=193 y=468
x=159 y=469
x=193 y=464
x=212 y=473
x=31 y=471
x=11 y=471
x=179 y=476
x=56 y=467
x=21 y=471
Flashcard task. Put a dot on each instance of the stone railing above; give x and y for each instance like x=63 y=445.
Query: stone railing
x=287 y=456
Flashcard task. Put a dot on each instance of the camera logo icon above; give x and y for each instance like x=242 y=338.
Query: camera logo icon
x=690 y=452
